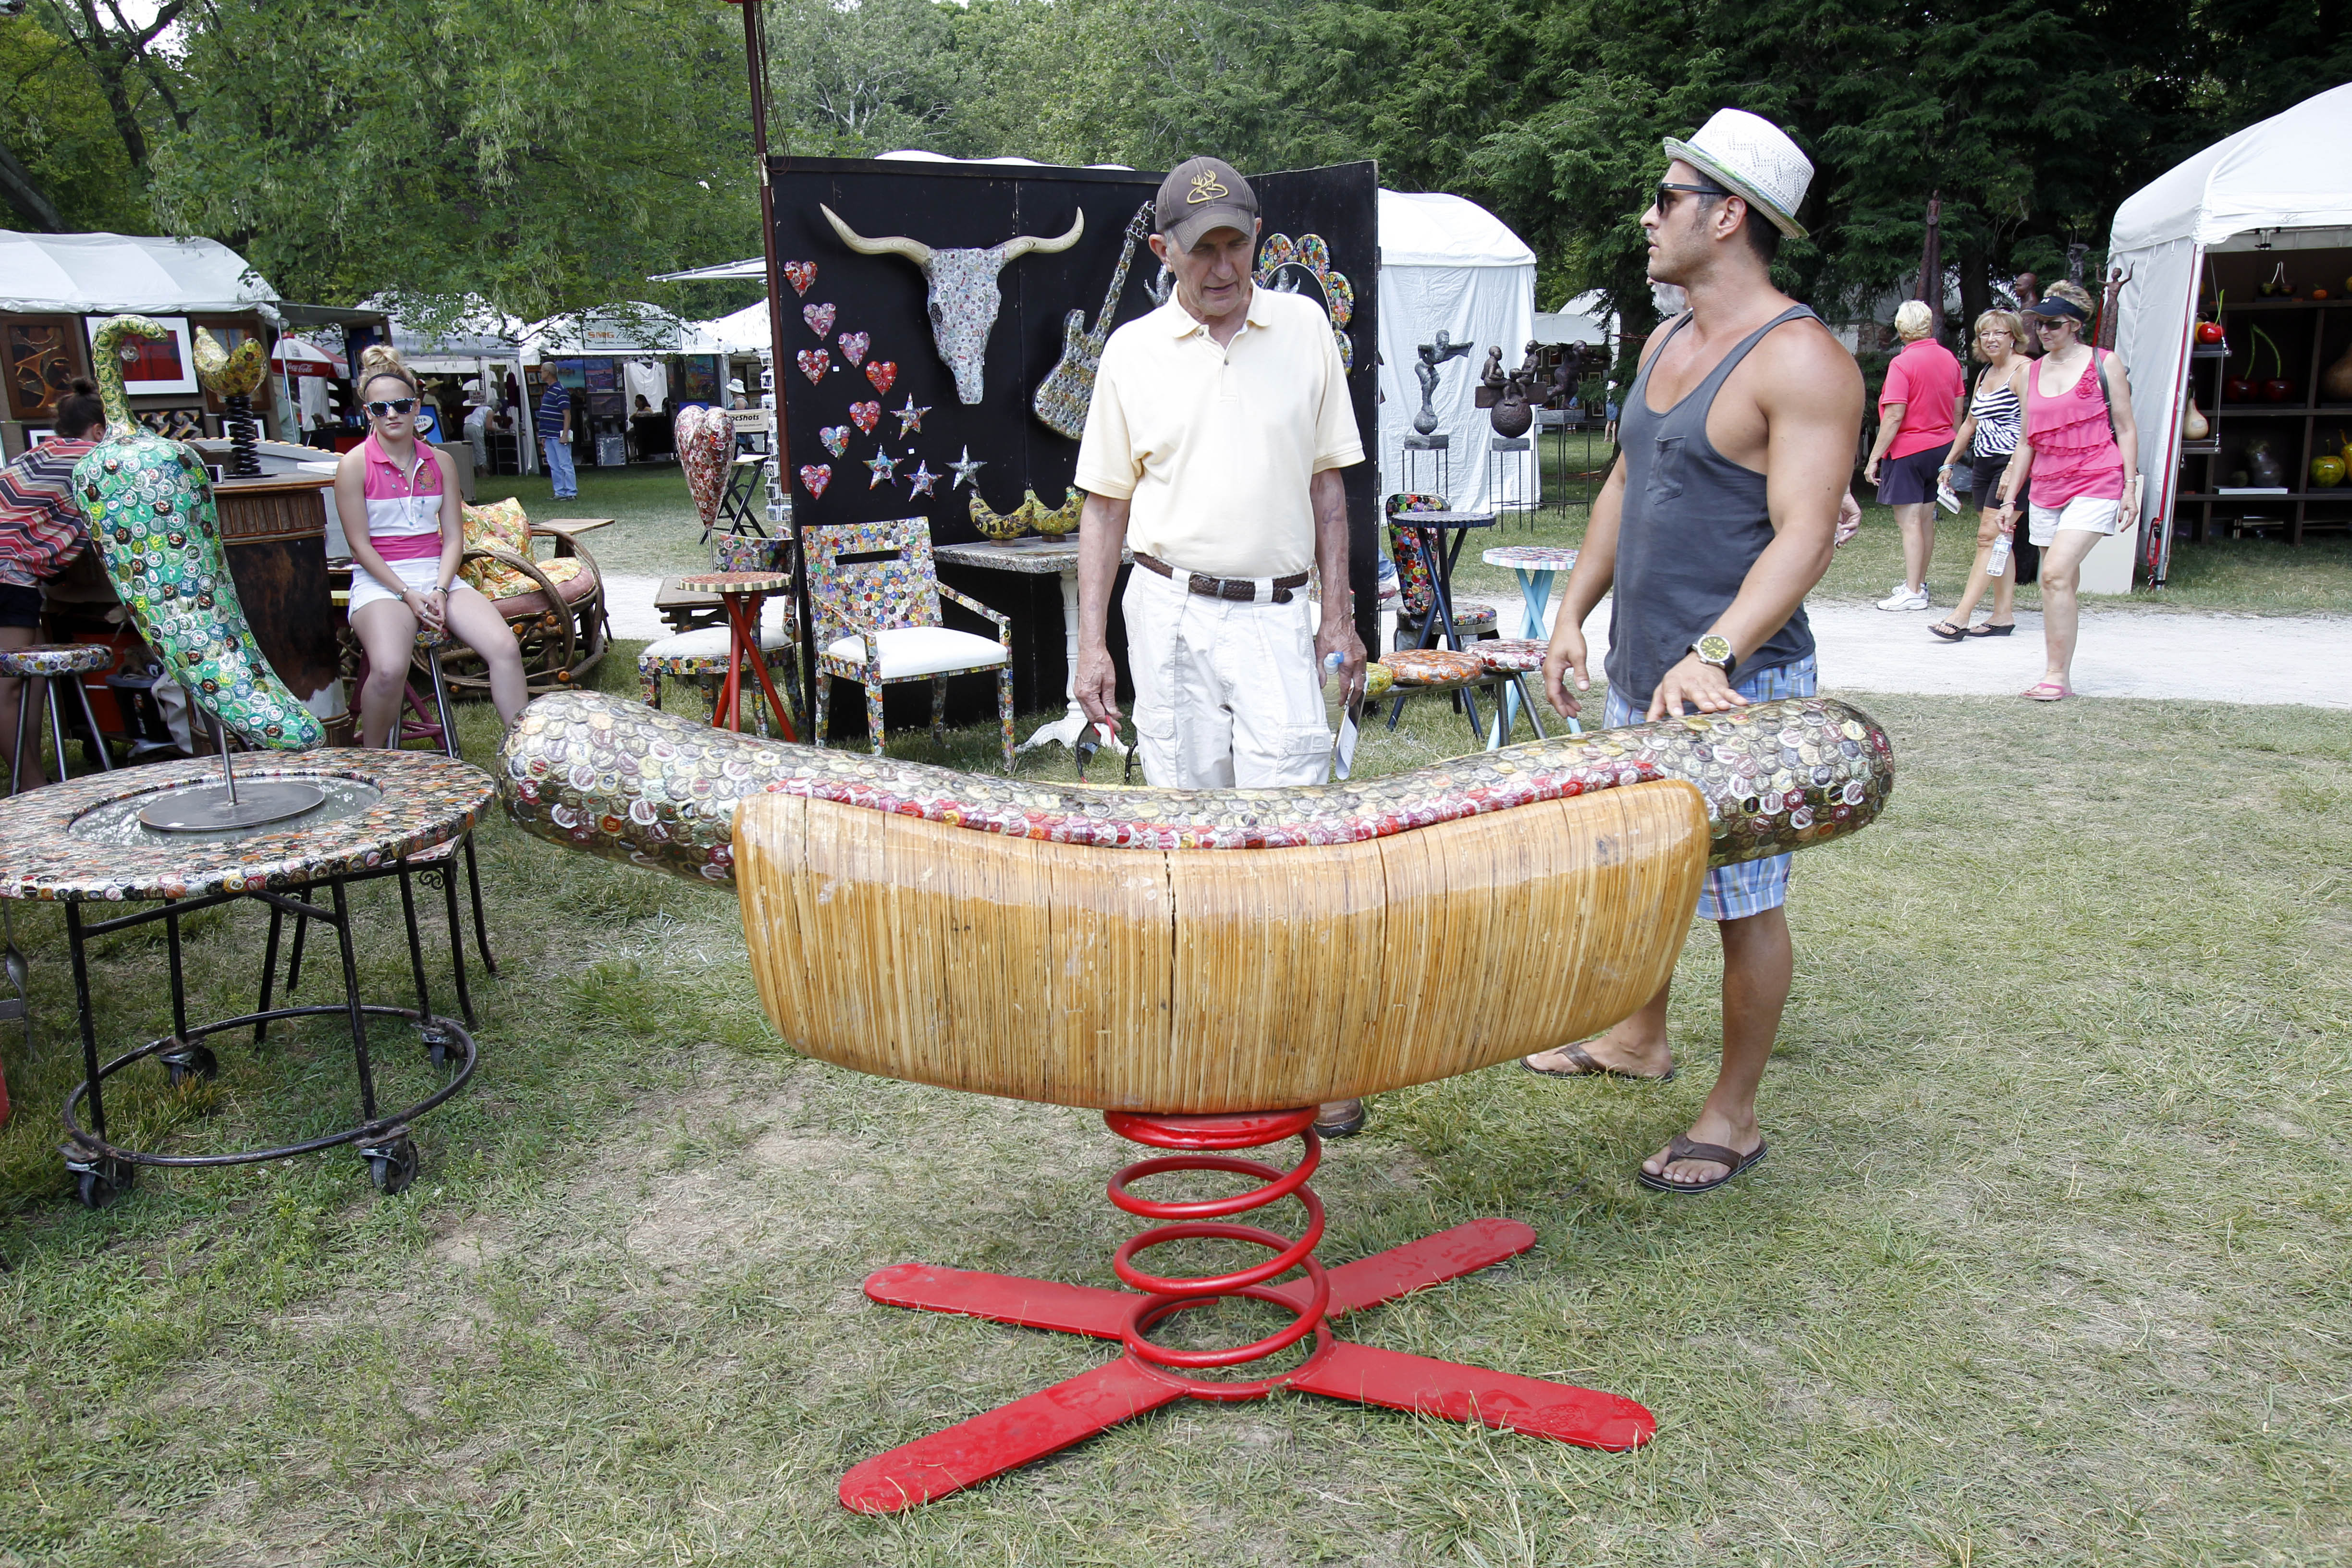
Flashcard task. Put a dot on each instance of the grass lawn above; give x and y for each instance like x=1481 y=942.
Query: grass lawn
x=2052 y=1262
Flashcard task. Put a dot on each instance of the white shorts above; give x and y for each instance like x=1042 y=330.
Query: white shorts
x=1226 y=693
x=2085 y=514
x=423 y=575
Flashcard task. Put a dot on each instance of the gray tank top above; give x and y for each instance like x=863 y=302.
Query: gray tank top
x=1693 y=524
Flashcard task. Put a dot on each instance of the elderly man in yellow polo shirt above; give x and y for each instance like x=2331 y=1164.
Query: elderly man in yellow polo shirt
x=1219 y=426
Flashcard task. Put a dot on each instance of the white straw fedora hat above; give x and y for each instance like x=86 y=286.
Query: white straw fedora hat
x=1751 y=157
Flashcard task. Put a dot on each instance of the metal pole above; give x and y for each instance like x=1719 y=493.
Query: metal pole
x=755 y=60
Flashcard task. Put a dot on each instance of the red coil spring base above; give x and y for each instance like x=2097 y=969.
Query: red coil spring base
x=1149 y=1375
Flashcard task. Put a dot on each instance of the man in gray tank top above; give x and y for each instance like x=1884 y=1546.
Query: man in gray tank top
x=1738 y=438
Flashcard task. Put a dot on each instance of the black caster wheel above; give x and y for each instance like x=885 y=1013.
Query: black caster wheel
x=392 y=1164
x=184 y=1062
x=99 y=1181
x=442 y=1049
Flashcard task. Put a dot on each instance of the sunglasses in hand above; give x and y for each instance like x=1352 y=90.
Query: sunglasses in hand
x=1091 y=742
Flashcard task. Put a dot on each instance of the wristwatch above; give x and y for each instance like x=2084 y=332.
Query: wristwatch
x=1715 y=649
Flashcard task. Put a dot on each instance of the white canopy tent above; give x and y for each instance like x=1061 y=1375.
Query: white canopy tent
x=109 y=274
x=2276 y=184
x=1450 y=264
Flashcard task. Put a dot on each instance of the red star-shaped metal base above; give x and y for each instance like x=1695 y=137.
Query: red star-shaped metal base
x=1078 y=1408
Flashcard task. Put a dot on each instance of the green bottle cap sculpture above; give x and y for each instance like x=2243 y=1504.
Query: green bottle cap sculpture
x=150 y=510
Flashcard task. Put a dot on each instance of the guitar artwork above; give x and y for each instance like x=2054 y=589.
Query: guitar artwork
x=1068 y=389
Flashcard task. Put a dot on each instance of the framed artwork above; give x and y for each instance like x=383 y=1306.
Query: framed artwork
x=155 y=365
x=174 y=424
x=40 y=360
x=698 y=378
x=34 y=436
x=572 y=374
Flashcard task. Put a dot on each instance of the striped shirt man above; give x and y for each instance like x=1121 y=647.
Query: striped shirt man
x=41 y=524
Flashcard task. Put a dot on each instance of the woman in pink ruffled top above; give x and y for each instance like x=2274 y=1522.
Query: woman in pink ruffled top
x=2081 y=454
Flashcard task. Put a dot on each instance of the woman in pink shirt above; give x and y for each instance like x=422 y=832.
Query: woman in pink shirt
x=397 y=498
x=2080 y=453
x=1917 y=408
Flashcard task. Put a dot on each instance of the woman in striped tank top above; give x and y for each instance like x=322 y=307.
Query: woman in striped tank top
x=1990 y=435
x=397 y=498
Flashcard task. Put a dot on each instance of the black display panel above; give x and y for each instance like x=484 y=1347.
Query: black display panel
x=881 y=430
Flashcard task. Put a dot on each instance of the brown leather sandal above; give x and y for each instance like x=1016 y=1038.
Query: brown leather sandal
x=1682 y=1148
x=1588 y=1066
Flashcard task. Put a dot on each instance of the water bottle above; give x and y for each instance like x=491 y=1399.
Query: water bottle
x=1997 y=563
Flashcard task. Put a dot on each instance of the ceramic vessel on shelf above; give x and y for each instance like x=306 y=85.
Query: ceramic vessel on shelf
x=2327 y=473
x=2194 y=426
x=2336 y=381
x=2263 y=464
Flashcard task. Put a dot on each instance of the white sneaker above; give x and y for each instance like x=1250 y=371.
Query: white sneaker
x=1904 y=598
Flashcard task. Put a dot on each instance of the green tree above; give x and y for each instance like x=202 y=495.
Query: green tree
x=544 y=154
x=70 y=88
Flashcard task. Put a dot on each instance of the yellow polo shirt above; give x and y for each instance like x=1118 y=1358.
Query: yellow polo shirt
x=1212 y=447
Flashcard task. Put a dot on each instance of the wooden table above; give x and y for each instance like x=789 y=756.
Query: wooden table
x=688 y=609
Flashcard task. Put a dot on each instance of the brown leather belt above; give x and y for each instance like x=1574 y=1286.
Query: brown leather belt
x=1241 y=590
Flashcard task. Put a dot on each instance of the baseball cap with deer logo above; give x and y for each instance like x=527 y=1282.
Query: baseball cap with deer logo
x=1202 y=193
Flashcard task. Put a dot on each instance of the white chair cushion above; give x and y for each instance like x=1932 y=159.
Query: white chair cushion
x=910 y=651
x=706 y=642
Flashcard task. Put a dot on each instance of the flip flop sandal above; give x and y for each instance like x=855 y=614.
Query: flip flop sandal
x=1682 y=1148
x=1943 y=631
x=2047 y=691
x=1588 y=1067
x=1346 y=1128
x=1987 y=629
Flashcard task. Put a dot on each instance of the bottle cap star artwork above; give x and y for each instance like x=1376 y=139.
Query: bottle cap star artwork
x=965 y=469
x=911 y=418
x=884 y=467
x=920 y=482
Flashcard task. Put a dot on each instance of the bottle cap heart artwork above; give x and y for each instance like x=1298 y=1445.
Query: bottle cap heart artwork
x=815 y=363
x=882 y=373
x=819 y=318
x=866 y=416
x=854 y=346
x=705 y=447
x=802 y=275
x=814 y=477
x=836 y=439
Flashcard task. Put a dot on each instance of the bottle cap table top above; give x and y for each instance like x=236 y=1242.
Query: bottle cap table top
x=78 y=840
x=738 y=581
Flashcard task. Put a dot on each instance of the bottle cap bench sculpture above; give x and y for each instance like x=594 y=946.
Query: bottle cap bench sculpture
x=1205 y=967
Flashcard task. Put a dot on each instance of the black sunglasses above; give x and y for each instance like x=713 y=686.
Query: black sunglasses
x=397 y=405
x=1667 y=189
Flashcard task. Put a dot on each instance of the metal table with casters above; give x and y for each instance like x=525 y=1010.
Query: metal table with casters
x=84 y=844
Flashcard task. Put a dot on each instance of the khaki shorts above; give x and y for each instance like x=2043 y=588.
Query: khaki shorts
x=1226 y=694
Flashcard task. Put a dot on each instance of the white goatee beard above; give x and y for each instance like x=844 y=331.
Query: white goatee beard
x=1671 y=300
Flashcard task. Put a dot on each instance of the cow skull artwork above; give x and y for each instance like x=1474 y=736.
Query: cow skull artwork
x=964 y=298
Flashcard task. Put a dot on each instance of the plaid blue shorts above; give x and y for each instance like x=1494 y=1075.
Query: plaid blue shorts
x=1751 y=887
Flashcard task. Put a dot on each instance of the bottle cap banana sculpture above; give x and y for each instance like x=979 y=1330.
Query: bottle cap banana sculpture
x=150 y=510
x=234 y=378
x=1511 y=869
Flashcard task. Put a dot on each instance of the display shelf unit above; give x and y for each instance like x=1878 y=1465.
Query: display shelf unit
x=2311 y=335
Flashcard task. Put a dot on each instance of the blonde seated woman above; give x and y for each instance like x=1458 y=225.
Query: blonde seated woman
x=398 y=501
